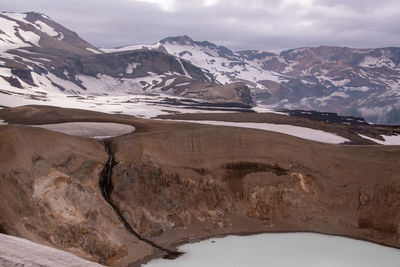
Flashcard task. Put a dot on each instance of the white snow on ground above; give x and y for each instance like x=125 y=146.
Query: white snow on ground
x=67 y=85
x=16 y=16
x=129 y=48
x=131 y=67
x=372 y=62
x=263 y=109
x=10 y=29
x=11 y=26
x=184 y=70
x=209 y=59
x=181 y=84
x=302 y=132
x=93 y=50
x=169 y=82
x=104 y=84
x=136 y=105
x=284 y=249
x=390 y=140
x=61 y=36
x=21 y=252
x=5 y=85
x=30 y=37
x=5 y=72
x=89 y=129
x=40 y=25
x=220 y=67
x=10 y=39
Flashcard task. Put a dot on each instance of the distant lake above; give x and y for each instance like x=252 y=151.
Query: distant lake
x=283 y=250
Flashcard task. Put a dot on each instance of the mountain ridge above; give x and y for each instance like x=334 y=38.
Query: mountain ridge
x=348 y=81
x=40 y=57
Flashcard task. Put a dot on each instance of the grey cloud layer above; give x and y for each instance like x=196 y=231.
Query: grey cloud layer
x=238 y=24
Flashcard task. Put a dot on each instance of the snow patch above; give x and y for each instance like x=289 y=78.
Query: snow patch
x=131 y=67
x=361 y=88
x=130 y=48
x=93 y=50
x=301 y=132
x=181 y=84
x=16 y=16
x=41 y=26
x=89 y=129
x=9 y=38
x=60 y=36
x=373 y=62
x=184 y=70
x=169 y=82
x=30 y=37
x=16 y=251
x=390 y=140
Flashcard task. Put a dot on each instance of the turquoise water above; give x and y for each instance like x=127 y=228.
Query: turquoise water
x=283 y=250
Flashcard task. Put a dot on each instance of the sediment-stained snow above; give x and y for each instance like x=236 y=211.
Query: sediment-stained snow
x=390 y=140
x=284 y=249
x=21 y=252
x=89 y=129
x=302 y=132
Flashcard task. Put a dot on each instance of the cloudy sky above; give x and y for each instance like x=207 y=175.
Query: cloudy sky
x=237 y=24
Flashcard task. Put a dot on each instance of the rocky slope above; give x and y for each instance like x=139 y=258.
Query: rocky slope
x=41 y=59
x=196 y=183
x=348 y=81
x=176 y=182
x=38 y=33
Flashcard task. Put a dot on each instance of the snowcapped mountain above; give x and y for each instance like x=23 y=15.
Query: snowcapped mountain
x=40 y=59
x=38 y=33
x=357 y=82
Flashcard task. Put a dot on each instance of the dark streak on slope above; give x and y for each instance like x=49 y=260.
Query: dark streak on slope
x=106 y=186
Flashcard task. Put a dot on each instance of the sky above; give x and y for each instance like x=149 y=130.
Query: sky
x=270 y=25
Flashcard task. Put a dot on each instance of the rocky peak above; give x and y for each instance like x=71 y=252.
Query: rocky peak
x=38 y=32
x=254 y=54
x=178 y=40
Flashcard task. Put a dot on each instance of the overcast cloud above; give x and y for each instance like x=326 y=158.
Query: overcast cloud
x=237 y=24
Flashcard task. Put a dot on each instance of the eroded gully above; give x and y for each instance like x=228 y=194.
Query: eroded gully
x=106 y=186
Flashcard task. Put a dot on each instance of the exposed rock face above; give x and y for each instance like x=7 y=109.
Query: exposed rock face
x=201 y=182
x=50 y=195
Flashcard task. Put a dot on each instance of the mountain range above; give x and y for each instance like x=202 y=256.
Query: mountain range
x=348 y=81
x=39 y=56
